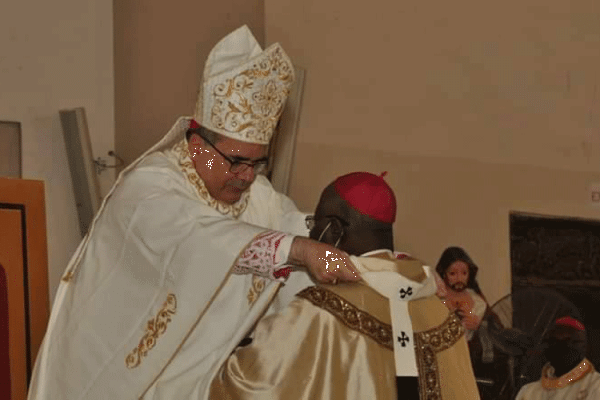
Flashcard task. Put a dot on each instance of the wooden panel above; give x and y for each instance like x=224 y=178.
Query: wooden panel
x=5 y=386
x=23 y=222
x=12 y=259
x=4 y=343
x=555 y=249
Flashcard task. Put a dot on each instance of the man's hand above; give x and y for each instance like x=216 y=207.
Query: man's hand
x=324 y=262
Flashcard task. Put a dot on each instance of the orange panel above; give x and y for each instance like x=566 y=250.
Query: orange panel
x=5 y=376
x=23 y=232
x=11 y=258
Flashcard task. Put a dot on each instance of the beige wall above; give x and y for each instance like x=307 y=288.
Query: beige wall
x=57 y=55
x=475 y=108
x=160 y=49
x=452 y=201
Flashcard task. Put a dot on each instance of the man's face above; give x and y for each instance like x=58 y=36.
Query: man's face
x=457 y=276
x=565 y=346
x=213 y=168
x=330 y=222
x=327 y=223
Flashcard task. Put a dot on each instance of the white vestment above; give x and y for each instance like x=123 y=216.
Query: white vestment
x=577 y=386
x=148 y=306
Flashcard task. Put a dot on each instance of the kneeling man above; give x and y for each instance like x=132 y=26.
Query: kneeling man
x=386 y=337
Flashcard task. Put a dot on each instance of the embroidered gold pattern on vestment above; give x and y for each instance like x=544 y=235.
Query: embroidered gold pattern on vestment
x=350 y=315
x=68 y=277
x=427 y=345
x=250 y=103
x=155 y=328
x=187 y=166
x=258 y=285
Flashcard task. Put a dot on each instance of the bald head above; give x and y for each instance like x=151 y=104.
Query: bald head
x=336 y=221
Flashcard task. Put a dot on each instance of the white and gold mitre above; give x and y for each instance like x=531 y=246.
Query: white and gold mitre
x=244 y=88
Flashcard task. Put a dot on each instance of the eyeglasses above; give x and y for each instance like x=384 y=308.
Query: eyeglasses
x=334 y=223
x=238 y=166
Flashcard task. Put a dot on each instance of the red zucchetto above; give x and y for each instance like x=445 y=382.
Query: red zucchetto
x=194 y=124
x=570 y=321
x=369 y=194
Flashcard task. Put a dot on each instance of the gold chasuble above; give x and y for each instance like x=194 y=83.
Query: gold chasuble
x=336 y=342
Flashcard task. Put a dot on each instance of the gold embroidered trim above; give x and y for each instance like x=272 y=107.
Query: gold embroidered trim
x=258 y=285
x=427 y=345
x=351 y=316
x=249 y=104
x=155 y=328
x=68 y=277
x=187 y=166
x=577 y=373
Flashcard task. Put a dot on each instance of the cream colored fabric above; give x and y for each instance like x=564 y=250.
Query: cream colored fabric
x=244 y=89
x=148 y=298
x=306 y=352
x=399 y=290
x=586 y=388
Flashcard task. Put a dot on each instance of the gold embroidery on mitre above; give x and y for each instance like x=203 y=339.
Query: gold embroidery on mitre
x=187 y=166
x=427 y=345
x=258 y=286
x=155 y=328
x=249 y=104
x=353 y=317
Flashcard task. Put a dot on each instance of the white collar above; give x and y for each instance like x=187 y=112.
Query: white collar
x=378 y=274
x=378 y=251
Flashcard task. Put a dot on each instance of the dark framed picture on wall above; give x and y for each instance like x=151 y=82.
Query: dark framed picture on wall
x=10 y=149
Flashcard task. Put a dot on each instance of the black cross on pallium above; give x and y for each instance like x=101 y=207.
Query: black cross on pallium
x=403 y=339
x=404 y=293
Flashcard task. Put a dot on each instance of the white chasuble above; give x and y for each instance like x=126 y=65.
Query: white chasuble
x=149 y=292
